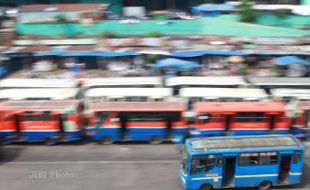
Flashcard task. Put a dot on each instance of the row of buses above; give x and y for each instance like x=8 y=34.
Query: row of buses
x=54 y=121
x=145 y=109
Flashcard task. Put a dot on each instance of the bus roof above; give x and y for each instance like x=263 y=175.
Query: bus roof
x=304 y=105
x=279 y=81
x=236 y=143
x=222 y=107
x=123 y=92
x=38 y=83
x=61 y=106
x=291 y=92
x=224 y=92
x=122 y=81
x=39 y=93
x=138 y=106
x=205 y=81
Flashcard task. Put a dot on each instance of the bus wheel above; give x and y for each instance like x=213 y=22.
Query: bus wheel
x=106 y=141
x=50 y=142
x=265 y=185
x=156 y=140
x=206 y=187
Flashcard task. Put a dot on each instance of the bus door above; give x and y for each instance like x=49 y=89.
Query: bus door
x=173 y=125
x=228 y=121
x=229 y=169
x=62 y=118
x=285 y=167
x=123 y=118
x=272 y=123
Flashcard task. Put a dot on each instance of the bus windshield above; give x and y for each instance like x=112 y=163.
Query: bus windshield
x=185 y=161
x=203 y=163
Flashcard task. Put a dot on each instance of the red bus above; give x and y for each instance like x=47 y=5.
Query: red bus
x=239 y=118
x=302 y=119
x=41 y=121
x=136 y=121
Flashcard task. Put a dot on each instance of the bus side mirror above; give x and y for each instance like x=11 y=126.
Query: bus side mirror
x=115 y=119
x=191 y=116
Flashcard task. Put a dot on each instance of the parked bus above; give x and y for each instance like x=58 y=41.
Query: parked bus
x=40 y=121
x=289 y=94
x=39 y=94
x=269 y=83
x=127 y=94
x=120 y=82
x=241 y=161
x=38 y=83
x=136 y=121
x=223 y=94
x=239 y=118
x=187 y=81
x=301 y=119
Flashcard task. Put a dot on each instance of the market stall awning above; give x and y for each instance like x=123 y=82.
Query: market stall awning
x=202 y=53
x=177 y=64
x=288 y=60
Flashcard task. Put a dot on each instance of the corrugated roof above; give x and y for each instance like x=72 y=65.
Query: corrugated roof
x=51 y=105
x=222 y=107
x=243 y=142
x=139 y=106
x=63 y=7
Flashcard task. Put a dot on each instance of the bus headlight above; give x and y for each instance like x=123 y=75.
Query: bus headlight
x=195 y=132
x=184 y=180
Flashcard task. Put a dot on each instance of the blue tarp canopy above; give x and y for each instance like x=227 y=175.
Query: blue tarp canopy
x=177 y=64
x=202 y=53
x=213 y=7
x=48 y=53
x=288 y=60
x=86 y=53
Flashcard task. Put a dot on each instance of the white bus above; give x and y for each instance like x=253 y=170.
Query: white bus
x=39 y=94
x=38 y=83
x=127 y=94
x=288 y=94
x=269 y=83
x=119 y=82
x=223 y=94
x=201 y=81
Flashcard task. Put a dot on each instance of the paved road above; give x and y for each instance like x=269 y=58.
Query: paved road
x=90 y=166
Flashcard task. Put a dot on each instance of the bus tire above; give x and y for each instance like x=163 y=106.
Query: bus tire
x=50 y=142
x=106 y=141
x=206 y=187
x=265 y=185
x=156 y=140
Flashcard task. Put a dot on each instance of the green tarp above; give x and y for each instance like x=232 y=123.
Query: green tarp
x=208 y=26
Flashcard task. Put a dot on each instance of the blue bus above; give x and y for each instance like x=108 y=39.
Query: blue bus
x=241 y=161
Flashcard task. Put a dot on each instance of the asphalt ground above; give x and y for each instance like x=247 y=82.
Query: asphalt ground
x=92 y=167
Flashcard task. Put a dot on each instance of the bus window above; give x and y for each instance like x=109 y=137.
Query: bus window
x=27 y=116
x=250 y=117
x=201 y=164
x=268 y=158
x=46 y=116
x=297 y=157
x=101 y=117
x=248 y=159
x=203 y=118
x=145 y=117
x=185 y=161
